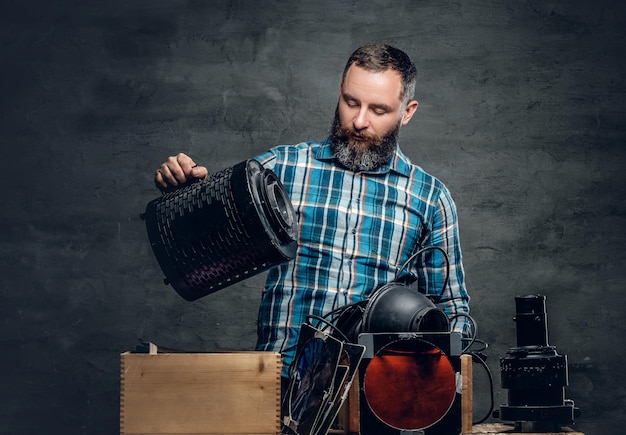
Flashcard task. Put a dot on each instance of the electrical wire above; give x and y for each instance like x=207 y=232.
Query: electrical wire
x=420 y=252
x=327 y=323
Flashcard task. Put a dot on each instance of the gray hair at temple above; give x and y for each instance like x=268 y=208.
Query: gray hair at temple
x=381 y=57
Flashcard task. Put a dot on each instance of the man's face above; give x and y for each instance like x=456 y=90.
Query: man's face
x=368 y=118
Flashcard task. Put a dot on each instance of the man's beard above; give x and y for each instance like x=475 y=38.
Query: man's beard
x=358 y=156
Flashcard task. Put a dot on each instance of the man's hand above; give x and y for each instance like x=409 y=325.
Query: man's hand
x=178 y=171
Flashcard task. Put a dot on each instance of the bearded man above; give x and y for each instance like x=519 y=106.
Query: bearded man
x=363 y=208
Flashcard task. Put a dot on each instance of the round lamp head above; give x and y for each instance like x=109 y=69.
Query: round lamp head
x=398 y=308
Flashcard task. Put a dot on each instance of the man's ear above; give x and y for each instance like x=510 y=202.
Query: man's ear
x=409 y=110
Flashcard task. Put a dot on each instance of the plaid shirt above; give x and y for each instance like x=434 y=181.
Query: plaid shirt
x=356 y=230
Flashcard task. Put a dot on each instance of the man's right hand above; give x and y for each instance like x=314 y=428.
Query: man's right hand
x=178 y=171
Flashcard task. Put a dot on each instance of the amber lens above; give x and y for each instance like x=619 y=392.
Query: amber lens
x=409 y=384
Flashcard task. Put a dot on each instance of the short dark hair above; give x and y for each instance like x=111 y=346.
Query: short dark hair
x=381 y=57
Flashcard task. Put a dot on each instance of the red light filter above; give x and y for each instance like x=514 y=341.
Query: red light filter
x=409 y=384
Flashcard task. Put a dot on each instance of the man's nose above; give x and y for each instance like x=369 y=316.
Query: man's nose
x=361 y=120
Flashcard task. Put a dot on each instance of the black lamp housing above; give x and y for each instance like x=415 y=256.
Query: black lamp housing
x=211 y=234
x=396 y=307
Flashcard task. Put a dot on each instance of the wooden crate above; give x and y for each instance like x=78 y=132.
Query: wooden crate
x=200 y=393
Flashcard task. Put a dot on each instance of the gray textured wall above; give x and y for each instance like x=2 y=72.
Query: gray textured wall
x=521 y=113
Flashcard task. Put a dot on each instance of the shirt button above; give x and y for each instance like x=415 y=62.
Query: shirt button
x=342 y=290
x=353 y=230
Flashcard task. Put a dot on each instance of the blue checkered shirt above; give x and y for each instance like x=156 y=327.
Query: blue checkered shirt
x=355 y=232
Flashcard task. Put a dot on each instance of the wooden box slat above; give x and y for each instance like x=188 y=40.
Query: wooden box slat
x=200 y=393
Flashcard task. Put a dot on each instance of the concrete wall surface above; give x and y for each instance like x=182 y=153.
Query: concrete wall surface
x=522 y=115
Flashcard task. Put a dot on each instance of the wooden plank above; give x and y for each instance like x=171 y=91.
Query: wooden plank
x=467 y=403
x=348 y=417
x=200 y=393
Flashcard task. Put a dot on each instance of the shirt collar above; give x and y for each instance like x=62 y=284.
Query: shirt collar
x=399 y=162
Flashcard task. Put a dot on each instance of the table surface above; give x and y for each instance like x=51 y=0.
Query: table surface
x=498 y=428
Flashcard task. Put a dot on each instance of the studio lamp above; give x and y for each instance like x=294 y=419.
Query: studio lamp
x=408 y=364
x=534 y=374
x=211 y=234
x=409 y=370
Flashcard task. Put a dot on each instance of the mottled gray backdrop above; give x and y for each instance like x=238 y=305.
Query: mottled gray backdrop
x=521 y=114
